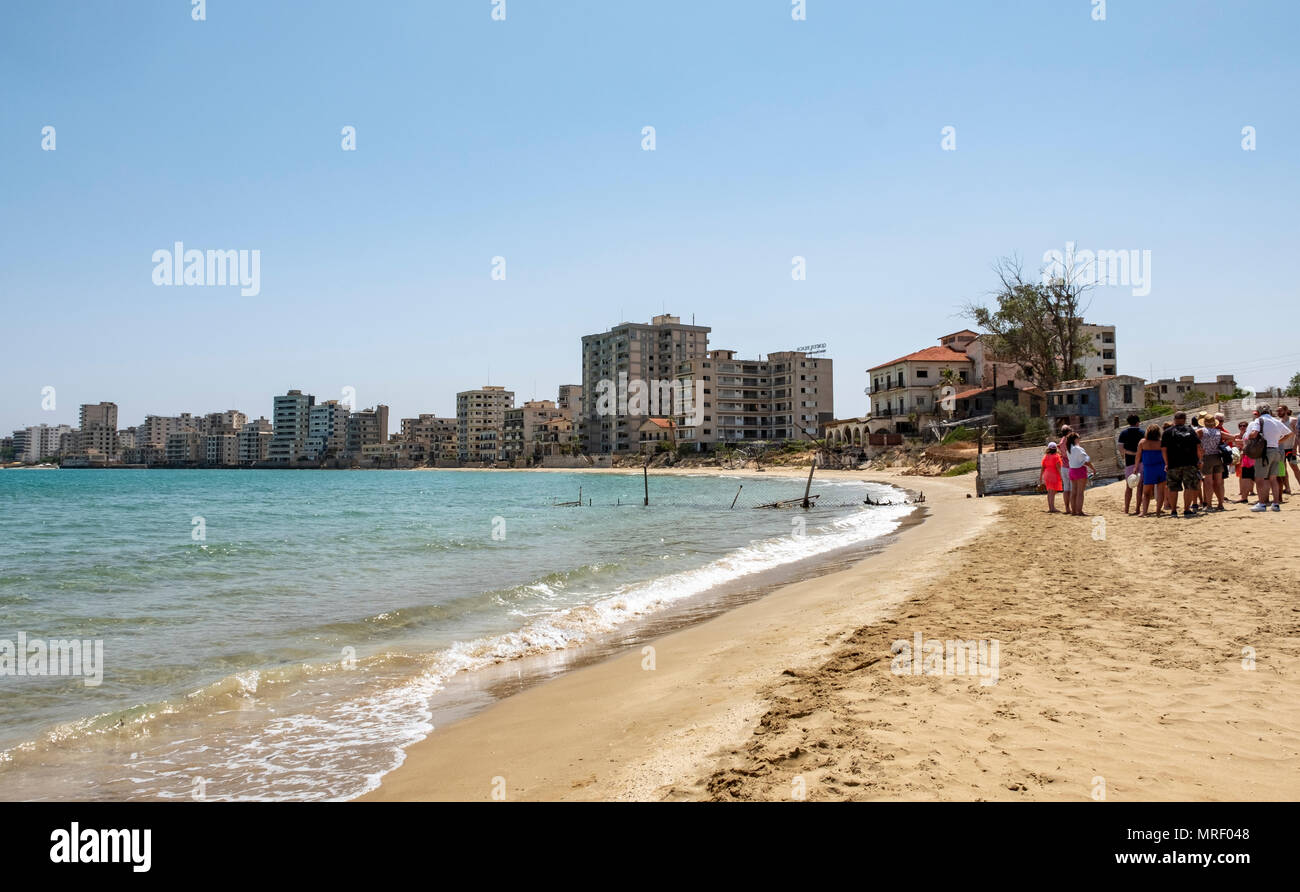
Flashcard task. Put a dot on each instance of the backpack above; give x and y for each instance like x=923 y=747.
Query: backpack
x=1255 y=448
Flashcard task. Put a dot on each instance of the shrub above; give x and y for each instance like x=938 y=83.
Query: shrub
x=957 y=470
x=1155 y=410
x=1011 y=420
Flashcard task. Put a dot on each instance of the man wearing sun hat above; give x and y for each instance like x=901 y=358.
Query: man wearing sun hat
x=1212 y=468
x=1275 y=434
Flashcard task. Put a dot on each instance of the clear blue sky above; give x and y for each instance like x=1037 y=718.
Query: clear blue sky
x=522 y=138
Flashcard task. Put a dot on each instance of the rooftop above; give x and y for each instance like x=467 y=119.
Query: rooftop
x=929 y=354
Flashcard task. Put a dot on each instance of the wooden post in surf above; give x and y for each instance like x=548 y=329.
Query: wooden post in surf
x=808 y=488
x=733 y=501
x=645 y=472
x=579 y=496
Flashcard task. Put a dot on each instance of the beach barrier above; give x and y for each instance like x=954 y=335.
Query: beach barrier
x=1018 y=470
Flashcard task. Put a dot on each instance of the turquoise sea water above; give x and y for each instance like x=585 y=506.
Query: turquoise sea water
x=279 y=634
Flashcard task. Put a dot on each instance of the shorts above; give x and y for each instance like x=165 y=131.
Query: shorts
x=1078 y=474
x=1290 y=455
x=1187 y=476
x=1065 y=482
x=1247 y=473
x=1273 y=461
x=1212 y=464
x=1154 y=478
x=1130 y=470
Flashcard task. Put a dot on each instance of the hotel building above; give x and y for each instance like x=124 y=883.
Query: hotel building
x=255 y=441
x=292 y=424
x=327 y=428
x=369 y=427
x=787 y=396
x=98 y=430
x=480 y=420
x=631 y=351
x=520 y=424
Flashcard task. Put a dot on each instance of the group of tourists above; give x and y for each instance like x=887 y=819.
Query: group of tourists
x=1194 y=459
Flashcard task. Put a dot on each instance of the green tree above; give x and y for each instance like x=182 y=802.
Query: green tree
x=1037 y=325
x=1195 y=398
x=1011 y=420
x=1293 y=388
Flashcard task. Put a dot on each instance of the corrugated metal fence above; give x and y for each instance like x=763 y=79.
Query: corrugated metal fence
x=1017 y=470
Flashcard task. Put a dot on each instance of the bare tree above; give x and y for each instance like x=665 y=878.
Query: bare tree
x=1037 y=325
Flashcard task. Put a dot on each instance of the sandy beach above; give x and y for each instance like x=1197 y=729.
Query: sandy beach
x=1139 y=659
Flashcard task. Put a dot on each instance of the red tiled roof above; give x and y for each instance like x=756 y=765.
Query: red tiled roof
x=967 y=394
x=661 y=422
x=929 y=354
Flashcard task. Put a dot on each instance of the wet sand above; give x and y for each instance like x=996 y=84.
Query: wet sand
x=1140 y=659
x=620 y=729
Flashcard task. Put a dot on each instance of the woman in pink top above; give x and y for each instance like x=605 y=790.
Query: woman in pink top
x=1081 y=470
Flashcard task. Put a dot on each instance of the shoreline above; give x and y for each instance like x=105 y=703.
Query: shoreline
x=464 y=693
x=552 y=740
x=1141 y=659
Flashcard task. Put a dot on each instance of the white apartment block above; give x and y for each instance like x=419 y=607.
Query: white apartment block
x=185 y=447
x=40 y=441
x=438 y=436
x=327 y=429
x=369 y=427
x=255 y=441
x=569 y=400
x=221 y=449
x=520 y=424
x=292 y=423
x=628 y=352
x=98 y=429
x=1101 y=341
x=156 y=429
x=480 y=419
x=227 y=422
x=784 y=397
x=803 y=394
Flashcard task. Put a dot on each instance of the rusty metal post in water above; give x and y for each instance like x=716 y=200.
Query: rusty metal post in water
x=808 y=488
